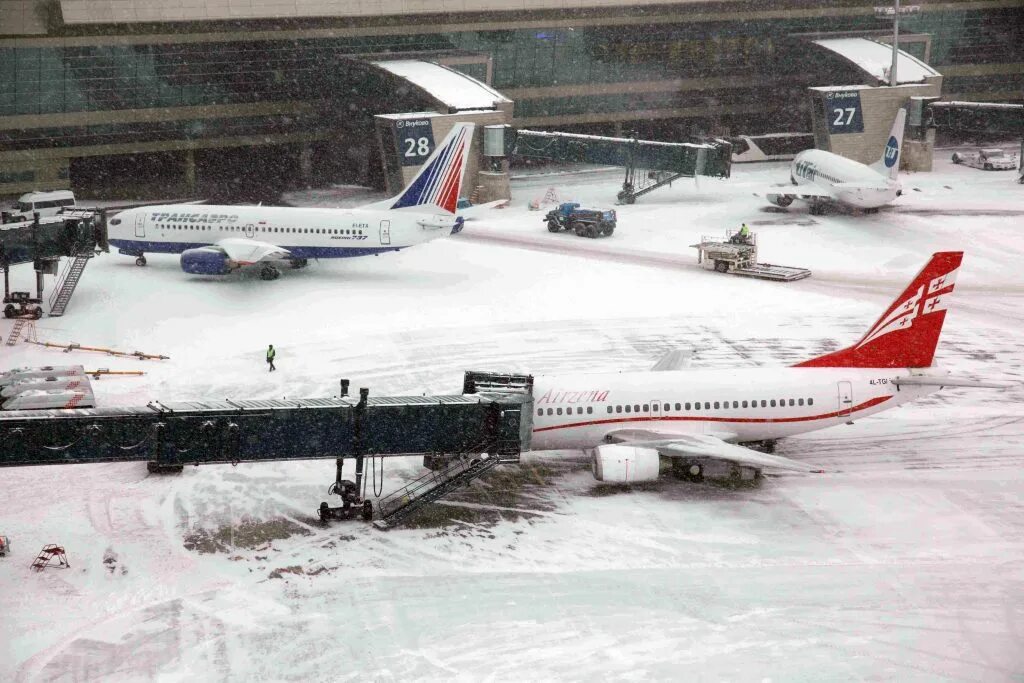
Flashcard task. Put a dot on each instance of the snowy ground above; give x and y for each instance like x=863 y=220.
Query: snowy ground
x=904 y=562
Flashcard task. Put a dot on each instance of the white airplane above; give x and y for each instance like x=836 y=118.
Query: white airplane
x=701 y=418
x=822 y=177
x=215 y=240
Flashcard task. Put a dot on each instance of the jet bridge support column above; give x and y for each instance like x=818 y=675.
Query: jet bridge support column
x=351 y=493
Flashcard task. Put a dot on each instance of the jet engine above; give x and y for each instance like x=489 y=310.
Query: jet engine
x=782 y=200
x=205 y=261
x=625 y=464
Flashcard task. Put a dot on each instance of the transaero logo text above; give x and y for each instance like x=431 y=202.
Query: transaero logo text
x=194 y=217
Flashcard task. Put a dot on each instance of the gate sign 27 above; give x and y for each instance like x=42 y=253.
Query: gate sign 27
x=842 y=109
x=415 y=140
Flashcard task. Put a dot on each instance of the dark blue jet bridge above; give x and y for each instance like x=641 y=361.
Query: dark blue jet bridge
x=461 y=436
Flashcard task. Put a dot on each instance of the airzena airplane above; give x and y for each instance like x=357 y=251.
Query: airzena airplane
x=215 y=240
x=822 y=177
x=700 y=418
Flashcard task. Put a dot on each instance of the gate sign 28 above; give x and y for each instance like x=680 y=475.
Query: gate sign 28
x=415 y=140
x=842 y=109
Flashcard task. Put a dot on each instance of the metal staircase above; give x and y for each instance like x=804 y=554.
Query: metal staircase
x=69 y=281
x=19 y=324
x=395 y=508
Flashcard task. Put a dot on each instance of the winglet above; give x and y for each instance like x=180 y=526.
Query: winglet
x=908 y=332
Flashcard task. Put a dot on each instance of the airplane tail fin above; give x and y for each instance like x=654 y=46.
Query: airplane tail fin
x=908 y=332
x=888 y=164
x=439 y=181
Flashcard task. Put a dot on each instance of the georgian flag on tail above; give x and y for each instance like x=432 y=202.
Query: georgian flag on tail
x=437 y=185
x=906 y=335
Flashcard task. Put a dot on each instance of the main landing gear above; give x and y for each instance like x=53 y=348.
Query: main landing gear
x=140 y=260
x=269 y=272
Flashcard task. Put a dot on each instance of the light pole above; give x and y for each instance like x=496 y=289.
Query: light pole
x=895 y=11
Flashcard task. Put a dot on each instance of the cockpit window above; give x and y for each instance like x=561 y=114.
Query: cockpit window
x=115 y=221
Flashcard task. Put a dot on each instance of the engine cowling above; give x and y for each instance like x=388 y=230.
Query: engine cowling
x=205 y=261
x=782 y=200
x=625 y=464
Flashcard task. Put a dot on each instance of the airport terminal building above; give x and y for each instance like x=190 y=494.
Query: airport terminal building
x=185 y=97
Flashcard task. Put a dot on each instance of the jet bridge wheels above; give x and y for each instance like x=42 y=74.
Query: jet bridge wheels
x=269 y=272
x=140 y=261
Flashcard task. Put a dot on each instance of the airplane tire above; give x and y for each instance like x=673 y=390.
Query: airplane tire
x=140 y=261
x=269 y=273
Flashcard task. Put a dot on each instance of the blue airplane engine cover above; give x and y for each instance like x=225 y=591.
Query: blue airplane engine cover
x=205 y=261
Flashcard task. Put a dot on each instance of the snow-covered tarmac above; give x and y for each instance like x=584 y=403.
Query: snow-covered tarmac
x=905 y=561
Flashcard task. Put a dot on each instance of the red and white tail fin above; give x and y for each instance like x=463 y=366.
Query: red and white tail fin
x=908 y=332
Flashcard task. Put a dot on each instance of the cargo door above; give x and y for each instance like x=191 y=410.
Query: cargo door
x=845 y=399
x=385 y=232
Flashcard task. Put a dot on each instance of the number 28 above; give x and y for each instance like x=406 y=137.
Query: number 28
x=417 y=147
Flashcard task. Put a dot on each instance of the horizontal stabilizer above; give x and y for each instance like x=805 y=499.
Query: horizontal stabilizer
x=931 y=381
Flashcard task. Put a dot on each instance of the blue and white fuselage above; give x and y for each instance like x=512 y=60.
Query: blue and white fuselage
x=214 y=240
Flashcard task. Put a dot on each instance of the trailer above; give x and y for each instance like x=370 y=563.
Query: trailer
x=737 y=254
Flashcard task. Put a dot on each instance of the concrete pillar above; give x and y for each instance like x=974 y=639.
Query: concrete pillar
x=493 y=186
x=190 y=172
x=306 y=163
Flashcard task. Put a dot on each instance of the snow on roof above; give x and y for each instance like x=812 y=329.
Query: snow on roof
x=453 y=88
x=875 y=58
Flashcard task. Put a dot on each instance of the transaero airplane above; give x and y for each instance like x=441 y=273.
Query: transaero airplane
x=700 y=418
x=822 y=177
x=215 y=240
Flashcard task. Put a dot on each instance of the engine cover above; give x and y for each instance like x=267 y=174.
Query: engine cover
x=205 y=261
x=780 y=199
x=625 y=464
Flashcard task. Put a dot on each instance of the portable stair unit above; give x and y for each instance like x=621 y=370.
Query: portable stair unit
x=51 y=555
x=72 y=274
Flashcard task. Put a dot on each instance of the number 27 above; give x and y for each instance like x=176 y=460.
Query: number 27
x=839 y=116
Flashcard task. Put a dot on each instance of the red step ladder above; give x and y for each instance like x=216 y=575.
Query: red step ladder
x=51 y=555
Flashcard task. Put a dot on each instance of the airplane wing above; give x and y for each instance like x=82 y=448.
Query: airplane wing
x=246 y=252
x=676 y=359
x=704 y=446
x=474 y=212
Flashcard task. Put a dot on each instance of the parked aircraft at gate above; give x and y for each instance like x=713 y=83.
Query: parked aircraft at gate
x=214 y=240
x=700 y=417
x=819 y=177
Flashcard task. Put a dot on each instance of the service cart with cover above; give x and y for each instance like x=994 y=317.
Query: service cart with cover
x=737 y=254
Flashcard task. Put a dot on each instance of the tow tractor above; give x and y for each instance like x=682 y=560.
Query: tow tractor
x=22 y=305
x=569 y=216
x=737 y=254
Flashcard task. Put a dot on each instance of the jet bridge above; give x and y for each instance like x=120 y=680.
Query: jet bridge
x=649 y=164
x=491 y=423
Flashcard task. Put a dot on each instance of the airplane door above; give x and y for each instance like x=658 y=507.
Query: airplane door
x=385 y=232
x=140 y=224
x=249 y=229
x=655 y=409
x=845 y=398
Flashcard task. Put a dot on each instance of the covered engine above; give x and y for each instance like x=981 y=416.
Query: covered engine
x=205 y=261
x=782 y=200
x=625 y=464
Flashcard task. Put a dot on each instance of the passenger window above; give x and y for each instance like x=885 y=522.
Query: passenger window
x=744 y=404
x=687 y=406
x=735 y=404
x=636 y=408
x=667 y=407
x=610 y=409
x=679 y=407
x=800 y=402
x=540 y=412
x=764 y=403
x=646 y=407
x=628 y=410
x=716 y=405
x=810 y=401
x=551 y=411
x=773 y=403
x=696 y=406
x=590 y=410
x=707 y=406
x=791 y=402
x=579 y=411
x=558 y=411
x=618 y=409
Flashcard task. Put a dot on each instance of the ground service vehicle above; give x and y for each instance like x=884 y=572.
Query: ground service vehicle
x=45 y=203
x=570 y=216
x=986 y=159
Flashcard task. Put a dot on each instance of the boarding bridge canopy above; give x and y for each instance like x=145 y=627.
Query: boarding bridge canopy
x=875 y=59
x=453 y=89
